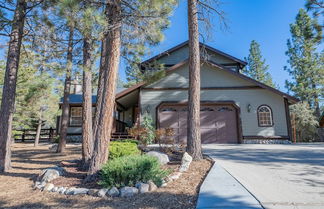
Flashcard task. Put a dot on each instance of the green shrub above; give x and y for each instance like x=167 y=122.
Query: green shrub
x=122 y=148
x=128 y=170
x=130 y=140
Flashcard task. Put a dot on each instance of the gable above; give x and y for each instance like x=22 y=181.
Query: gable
x=210 y=77
x=181 y=52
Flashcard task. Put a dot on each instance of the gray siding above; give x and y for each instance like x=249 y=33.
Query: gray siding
x=210 y=77
x=150 y=99
x=183 y=53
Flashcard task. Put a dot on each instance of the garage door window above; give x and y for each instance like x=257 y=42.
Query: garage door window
x=170 y=109
x=265 y=116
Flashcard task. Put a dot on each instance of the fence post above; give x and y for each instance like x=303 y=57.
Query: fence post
x=23 y=136
x=50 y=135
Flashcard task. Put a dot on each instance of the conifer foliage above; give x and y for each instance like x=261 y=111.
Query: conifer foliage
x=256 y=65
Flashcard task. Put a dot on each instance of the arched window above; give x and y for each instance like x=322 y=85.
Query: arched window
x=265 y=116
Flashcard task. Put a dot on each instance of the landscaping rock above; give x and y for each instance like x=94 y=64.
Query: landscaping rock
x=113 y=192
x=175 y=175
x=102 y=192
x=93 y=192
x=77 y=191
x=39 y=185
x=163 y=158
x=164 y=184
x=61 y=190
x=53 y=147
x=48 y=187
x=128 y=191
x=55 y=189
x=185 y=162
x=143 y=188
x=70 y=191
x=50 y=174
x=152 y=186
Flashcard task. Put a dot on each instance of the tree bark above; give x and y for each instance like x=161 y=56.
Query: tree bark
x=66 y=99
x=38 y=130
x=194 y=137
x=100 y=85
x=87 y=142
x=110 y=72
x=9 y=87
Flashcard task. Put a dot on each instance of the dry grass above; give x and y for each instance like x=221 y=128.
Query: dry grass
x=16 y=186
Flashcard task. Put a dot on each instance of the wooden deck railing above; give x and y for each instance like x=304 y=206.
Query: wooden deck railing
x=120 y=126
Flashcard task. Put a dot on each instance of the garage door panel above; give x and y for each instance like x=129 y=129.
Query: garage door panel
x=218 y=123
x=183 y=118
x=208 y=135
x=169 y=120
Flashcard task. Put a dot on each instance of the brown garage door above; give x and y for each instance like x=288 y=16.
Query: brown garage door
x=218 y=122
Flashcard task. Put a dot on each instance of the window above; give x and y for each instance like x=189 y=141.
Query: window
x=265 y=116
x=206 y=109
x=225 y=109
x=168 y=109
x=76 y=116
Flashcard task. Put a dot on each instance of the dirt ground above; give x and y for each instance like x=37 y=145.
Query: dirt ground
x=16 y=186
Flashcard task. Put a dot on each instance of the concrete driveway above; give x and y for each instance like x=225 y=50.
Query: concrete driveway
x=279 y=176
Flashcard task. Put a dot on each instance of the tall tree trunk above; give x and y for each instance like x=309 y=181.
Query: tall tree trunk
x=9 y=87
x=194 y=137
x=106 y=109
x=66 y=99
x=103 y=57
x=87 y=142
x=38 y=130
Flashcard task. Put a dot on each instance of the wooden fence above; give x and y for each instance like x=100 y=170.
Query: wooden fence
x=30 y=134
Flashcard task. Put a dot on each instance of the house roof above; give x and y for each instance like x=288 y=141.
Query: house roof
x=77 y=98
x=167 y=52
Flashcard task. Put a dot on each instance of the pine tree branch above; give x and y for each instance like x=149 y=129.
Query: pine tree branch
x=7 y=8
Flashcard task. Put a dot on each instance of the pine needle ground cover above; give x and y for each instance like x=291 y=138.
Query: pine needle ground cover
x=16 y=186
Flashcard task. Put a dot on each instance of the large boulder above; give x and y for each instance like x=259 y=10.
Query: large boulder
x=185 y=162
x=128 y=191
x=49 y=174
x=163 y=158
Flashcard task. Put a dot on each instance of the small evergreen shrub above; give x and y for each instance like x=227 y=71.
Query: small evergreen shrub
x=128 y=170
x=122 y=148
x=130 y=140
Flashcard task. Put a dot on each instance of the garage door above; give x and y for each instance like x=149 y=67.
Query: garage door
x=218 y=122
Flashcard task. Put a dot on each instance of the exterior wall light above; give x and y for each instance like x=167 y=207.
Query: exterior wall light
x=249 y=108
x=148 y=109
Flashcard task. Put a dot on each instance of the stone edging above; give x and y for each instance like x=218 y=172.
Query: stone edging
x=45 y=178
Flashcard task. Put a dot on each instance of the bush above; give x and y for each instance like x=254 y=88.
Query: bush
x=130 y=140
x=122 y=148
x=128 y=170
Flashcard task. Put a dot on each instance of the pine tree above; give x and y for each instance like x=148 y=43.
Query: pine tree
x=130 y=18
x=256 y=66
x=194 y=136
x=10 y=80
x=305 y=60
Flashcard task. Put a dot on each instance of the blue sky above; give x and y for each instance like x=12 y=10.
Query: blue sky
x=266 y=21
